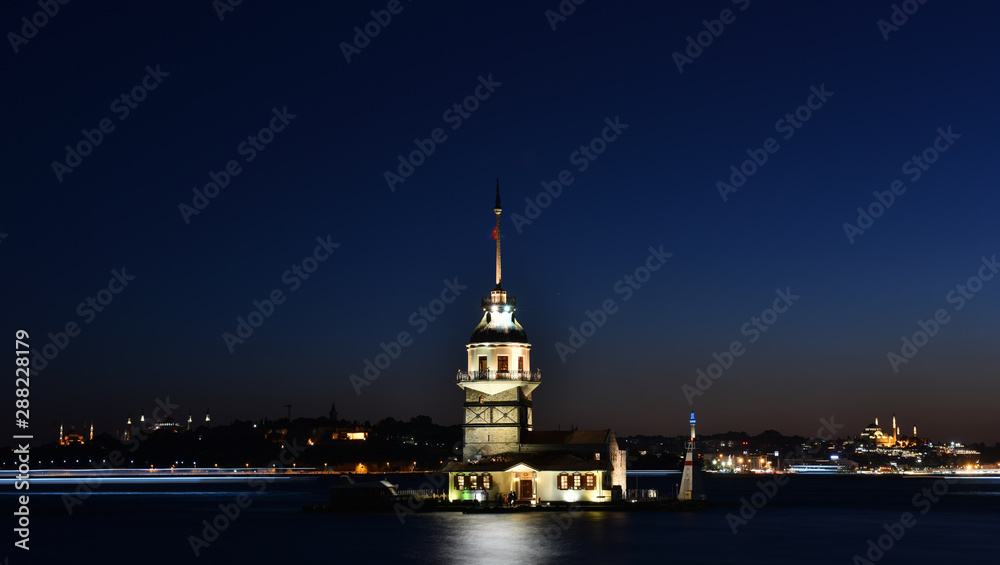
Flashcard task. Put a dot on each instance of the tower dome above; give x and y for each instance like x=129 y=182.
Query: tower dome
x=499 y=325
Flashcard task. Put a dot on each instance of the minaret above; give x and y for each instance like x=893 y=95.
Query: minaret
x=91 y=430
x=498 y=381
x=689 y=489
x=208 y=419
x=894 y=429
x=128 y=428
x=142 y=420
x=189 y=421
x=60 y=433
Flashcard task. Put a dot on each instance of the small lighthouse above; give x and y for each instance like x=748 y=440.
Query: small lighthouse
x=690 y=487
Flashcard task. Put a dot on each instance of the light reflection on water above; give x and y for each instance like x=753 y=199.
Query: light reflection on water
x=836 y=514
x=488 y=538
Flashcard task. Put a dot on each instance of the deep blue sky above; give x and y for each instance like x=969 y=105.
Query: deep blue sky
x=655 y=185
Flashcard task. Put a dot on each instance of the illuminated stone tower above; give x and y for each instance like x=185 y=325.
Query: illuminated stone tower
x=499 y=381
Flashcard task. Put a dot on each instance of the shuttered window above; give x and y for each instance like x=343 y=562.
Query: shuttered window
x=577 y=481
x=487 y=481
x=591 y=481
x=563 y=481
x=460 y=482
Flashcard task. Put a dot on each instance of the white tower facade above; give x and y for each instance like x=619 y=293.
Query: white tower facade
x=498 y=381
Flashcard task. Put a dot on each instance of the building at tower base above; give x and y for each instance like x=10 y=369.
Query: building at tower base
x=502 y=454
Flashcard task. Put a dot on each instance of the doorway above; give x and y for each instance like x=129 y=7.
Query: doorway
x=526 y=489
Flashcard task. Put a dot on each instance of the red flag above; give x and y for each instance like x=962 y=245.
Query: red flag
x=494 y=232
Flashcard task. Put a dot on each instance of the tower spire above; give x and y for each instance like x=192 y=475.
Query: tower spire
x=496 y=232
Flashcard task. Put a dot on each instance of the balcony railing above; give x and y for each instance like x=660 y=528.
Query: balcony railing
x=466 y=376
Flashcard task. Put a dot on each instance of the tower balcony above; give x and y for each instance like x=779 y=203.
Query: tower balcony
x=473 y=376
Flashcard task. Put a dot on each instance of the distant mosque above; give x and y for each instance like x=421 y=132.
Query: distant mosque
x=168 y=424
x=503 y=455
x=874 y=436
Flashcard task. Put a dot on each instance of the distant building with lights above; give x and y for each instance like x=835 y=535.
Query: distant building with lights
x=874 y=438
x=72 y=437
x=502 y=453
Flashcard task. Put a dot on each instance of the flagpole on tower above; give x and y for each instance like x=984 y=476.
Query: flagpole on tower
x=496 y=232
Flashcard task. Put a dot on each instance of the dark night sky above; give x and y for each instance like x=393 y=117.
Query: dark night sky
x=654 y=185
